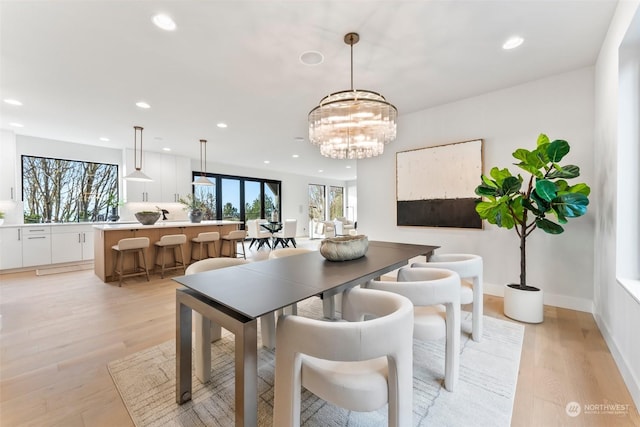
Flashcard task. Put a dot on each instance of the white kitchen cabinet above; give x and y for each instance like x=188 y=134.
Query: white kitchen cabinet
x=171 y=178
x=145 y=191
x=8 y=159
x=176 y=177
x=36 y=245
x=10 y=247
x=71 y=243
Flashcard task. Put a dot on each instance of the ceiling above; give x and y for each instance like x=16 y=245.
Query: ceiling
x=80 y=67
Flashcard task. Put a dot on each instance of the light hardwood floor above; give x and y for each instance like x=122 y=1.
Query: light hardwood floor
x=60 y=331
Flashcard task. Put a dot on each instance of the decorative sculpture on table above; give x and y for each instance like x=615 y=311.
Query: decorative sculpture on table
x=344 y=248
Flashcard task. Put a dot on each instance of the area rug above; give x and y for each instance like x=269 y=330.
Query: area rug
x=483 y=397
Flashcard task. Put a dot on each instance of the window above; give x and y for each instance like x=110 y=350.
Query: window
x=67 y=190
x=336 y=202
x=316 y=202
x=238 y=198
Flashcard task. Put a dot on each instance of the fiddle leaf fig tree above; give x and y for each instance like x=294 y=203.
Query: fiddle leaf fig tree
x=546 y=192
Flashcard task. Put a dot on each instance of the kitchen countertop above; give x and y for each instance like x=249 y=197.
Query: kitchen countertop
x=122 y=225
x=160 y=224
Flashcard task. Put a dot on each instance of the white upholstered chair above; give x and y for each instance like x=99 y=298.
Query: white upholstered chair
x=469 y=268
x=287 y=234
x=429 y=289
x=207 y=331
x=285 y=252
x=348 y=363
x=258 y=234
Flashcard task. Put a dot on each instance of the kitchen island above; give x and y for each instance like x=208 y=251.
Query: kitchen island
x=108 y=234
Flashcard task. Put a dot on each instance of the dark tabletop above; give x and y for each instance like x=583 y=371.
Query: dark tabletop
x=258 y=288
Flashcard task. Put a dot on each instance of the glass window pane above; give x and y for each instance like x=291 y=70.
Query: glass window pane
x=251 y=200
x=67 y=190
x=316 y=202
x=207 y=195
x=336 y=202
x=271 y=200
x=230 y=199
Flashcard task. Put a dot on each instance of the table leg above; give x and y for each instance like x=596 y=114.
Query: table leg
x=206 y=333
x=183 y=353
x=246 y=360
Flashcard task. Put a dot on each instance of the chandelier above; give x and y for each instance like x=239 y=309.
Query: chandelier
x=352 y=124
x=137 y=174
x=202 y=179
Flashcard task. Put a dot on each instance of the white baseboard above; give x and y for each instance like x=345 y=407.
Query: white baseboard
x=562 y=301
x=63 y=269
x=632 y=383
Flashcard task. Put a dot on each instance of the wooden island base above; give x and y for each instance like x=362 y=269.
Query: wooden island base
x=107 y=235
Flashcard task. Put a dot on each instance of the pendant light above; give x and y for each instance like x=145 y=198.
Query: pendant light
x=352 y=124
x=202 y=179
x=137 y=174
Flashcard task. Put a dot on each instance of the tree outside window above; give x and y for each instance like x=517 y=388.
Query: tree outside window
x=336 y=202
x=67 y=190
x=316 y=202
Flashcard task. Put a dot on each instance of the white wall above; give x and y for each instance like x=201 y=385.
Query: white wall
x=560 y=106
x=617 y=313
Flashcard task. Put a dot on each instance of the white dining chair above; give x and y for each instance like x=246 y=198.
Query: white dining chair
x=358 y=364
x=287 y=234
x=469 y=268
x=207 y=331
x=435 y=294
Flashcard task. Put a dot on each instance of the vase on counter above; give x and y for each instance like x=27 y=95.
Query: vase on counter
x=113 y=216
x=195 y=215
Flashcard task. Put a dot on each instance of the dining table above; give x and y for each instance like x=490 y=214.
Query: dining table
x=272 y=227
x=236 y=297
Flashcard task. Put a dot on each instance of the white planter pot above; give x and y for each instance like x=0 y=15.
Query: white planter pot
x=524 y=306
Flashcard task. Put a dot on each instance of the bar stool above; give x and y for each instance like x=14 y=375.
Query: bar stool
x=205 y=240
x=135 y=246
x=173 y=242
x=233 y=238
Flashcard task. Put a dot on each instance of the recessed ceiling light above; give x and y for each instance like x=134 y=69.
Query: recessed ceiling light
x=13 y=102
x=348 y=167
x=311 y=57
x=513 y=43
x=166 y=149
x=299 y=139
x=266 y=162
x=16 y=125
x=164 y=22
x=222 y=125
x=295 y=156
x=104 y=139
x=320 y=170
x=143 y=104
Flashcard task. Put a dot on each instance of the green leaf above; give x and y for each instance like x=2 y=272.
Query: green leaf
x=568 y=172
x=570 y=205
x=543 y=205
x=533 y=170
x=489 y=182
x=557 y=150
x=511 y=185
x=486 y=191
x=542 y=139
x=500 y=175
x=546 y=189
x=548 y=226
x=521 y=154
x=581 y=188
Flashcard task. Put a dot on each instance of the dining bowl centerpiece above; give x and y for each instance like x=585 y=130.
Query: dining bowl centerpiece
x=147 y=217
x=344 y=248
